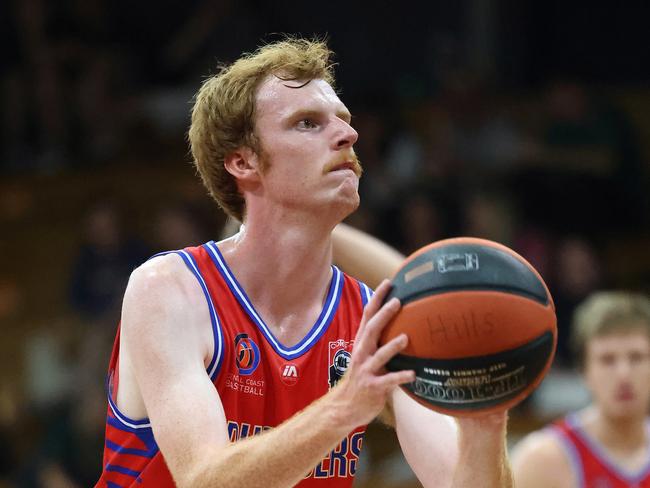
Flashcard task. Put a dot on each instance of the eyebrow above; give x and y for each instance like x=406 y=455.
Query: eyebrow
x=299 y=114
x=345 y=115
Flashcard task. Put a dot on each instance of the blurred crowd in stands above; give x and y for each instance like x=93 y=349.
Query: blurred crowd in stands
x=556 y=170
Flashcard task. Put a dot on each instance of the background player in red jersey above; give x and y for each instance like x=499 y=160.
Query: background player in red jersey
x=608 y=443
x=274 y=145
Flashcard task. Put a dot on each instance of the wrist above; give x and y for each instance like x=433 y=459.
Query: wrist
x=341 y=414
x=484 y=430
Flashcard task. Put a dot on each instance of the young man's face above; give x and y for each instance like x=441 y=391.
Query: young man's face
x=617 y=372
x=306 y=137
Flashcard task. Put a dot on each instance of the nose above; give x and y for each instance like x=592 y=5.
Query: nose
x=345 y=135
x=623 y=368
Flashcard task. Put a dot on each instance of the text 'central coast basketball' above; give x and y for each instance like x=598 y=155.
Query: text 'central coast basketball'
x=481 y=325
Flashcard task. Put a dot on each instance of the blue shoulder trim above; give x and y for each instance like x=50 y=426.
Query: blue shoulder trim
x=571 y=452
x=366 y=293
x=217 y=356
x=603 y=456
x=123 y=422
x=128 y=424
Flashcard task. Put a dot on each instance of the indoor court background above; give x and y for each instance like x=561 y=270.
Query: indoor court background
x=523 y=122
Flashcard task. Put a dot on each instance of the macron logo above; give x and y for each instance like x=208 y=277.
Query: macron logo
x=290 y=371
x=289 y=374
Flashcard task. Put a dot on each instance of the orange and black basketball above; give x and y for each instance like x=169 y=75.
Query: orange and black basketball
x=481 y=325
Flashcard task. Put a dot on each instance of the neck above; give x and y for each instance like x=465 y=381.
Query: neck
x=624 y=433
x=283 y=264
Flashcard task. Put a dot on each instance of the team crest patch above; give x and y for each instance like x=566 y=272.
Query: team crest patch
x=247 y=354
x=339 y=360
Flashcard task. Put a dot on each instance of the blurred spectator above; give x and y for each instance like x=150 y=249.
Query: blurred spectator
x=63 y=85
x=577 y=272
x=67 y=455
x=103 y=264
x=9 y=424
x=588 y=167
x=420 y=222
x=442 y=163
x=535 y=245
x=484 y=133
x=11 y=299
x=490 y=216
x=404 y=160
x=375 y=183
x=49 y=367
x=65 y=367
x=178 y=226
x=375 y=187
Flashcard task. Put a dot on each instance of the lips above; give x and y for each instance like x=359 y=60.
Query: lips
x=346 y=165
x=625 y=394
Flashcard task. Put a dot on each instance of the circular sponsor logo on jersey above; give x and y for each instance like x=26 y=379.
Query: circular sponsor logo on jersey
x=289 y=374
x=247 y=354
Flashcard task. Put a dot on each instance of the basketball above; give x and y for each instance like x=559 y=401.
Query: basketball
x=481 y=326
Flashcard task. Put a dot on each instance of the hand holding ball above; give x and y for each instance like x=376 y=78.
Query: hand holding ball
x=481 y=325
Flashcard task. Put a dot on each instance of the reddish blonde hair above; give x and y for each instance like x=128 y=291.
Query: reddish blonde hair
x=223 y=116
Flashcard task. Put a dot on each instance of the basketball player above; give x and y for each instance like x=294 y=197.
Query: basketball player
x=606 y=445
x=253 y=362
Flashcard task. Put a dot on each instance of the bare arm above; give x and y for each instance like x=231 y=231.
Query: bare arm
x=161 y=336
x=428 y=440
x=452 y=452
x=162 y=320
x=363 y=256
x=538 y=461
x=482 y=456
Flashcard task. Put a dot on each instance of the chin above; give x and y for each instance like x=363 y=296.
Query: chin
x=625 y=410
x=342 y=208
x=352 y=204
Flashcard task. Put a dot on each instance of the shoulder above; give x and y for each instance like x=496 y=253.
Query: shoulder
x=161 y=291
x=540 y=460
x=540 y=443
x=165 y=266
x=161 y=276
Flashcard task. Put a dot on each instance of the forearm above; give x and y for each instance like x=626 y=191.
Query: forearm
x=482 y=456
x=428 y=440
x=280 y=457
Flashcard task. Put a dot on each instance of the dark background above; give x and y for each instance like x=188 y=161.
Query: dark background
x=523 y=122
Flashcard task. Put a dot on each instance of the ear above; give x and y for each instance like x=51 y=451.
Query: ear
x=243 y=164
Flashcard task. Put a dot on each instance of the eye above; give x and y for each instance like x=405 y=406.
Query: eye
x=607 y=359
x=637 y=357
x=306 y=123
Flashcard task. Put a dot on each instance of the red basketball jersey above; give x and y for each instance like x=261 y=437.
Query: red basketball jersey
x=260 y=381
x=592 y=466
